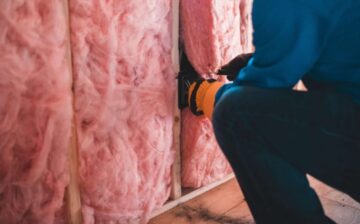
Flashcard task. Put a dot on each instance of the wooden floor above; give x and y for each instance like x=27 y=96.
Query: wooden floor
x=226 y=205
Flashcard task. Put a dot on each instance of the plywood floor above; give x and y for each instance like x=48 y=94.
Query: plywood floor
x=225 y=204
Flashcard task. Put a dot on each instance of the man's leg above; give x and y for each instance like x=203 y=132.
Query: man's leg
x=272 y=138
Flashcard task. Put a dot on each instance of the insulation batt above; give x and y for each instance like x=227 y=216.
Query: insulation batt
x=35 y=111
x=213 y=32
x=124 y=95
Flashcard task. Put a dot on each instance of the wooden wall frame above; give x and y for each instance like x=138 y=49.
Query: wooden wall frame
x=73 y=201
x=177 y=196
x=176 y=167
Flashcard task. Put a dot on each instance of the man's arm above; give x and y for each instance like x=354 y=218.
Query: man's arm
x=288 y=37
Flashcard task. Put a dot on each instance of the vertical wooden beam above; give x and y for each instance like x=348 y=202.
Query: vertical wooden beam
x=176 y=168
x=73 y=202
x=73 y=191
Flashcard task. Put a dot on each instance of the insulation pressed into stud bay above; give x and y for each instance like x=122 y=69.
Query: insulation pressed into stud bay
x=124 y=91
x=213 y=32
x=35 y=111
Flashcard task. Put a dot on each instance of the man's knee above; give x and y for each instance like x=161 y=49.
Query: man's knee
x=230 y=117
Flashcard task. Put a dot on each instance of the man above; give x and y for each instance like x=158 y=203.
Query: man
x=274 y=136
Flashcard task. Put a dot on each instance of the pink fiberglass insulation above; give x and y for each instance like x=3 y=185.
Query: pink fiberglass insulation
x=246 y=28
x=124 y=96
x=213 y=32
x=35 y=111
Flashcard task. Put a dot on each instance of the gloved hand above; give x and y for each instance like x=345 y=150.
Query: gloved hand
x=232 y=69
x=201 y=97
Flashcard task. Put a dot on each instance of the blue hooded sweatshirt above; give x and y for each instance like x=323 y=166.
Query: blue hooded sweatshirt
x=317 y=41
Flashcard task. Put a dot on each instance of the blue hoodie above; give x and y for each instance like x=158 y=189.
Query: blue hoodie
x=317 y=41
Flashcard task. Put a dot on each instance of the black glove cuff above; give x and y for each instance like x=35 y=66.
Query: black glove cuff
x=193 y=106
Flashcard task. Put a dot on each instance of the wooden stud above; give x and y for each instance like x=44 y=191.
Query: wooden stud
x=73 y=191
x=176 y=167
x=73 y=201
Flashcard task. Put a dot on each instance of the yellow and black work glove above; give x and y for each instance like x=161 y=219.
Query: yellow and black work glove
x=201 y=97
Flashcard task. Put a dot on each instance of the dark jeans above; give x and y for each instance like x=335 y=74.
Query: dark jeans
x=274 y=137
